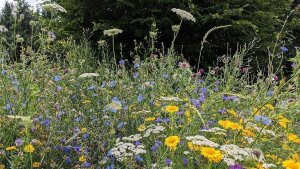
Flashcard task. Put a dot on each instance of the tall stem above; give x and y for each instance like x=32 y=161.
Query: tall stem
x=113 y=43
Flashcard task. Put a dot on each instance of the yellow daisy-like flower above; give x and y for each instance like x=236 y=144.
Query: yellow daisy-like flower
x=141 y=128
x=293 y=138
x=291 y=164
x=256 y=111
x=248 y=133
x=172 y=142
x=232 y=112
x=12 y=148
x=227 y=124
x=212 y=154
x=83 y=130
x=282 y=121
x=269 y=106
x=150 y=119
x=82 y=158
x=29 y=148
x=36 y=164
x=172 y=109
x=193 y=147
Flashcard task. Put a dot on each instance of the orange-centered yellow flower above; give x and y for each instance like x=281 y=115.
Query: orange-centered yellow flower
x=212 y=154
x=172 y=109
x=29 y=148
x=172 y=142
x=291 y=164
x=227 y=124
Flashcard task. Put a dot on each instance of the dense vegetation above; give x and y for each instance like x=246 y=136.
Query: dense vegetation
x=69 y=102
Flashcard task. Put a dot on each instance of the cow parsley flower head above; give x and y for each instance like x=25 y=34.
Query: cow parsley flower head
x=184 y=14
x=54 y=7
x=112 y=32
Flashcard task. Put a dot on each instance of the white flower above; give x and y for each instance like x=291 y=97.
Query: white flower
x=54 y=7
x=153 y=129
x=135 y=137
x=3 y=28
x=112 y=32
x=184 y=14
x=89 y=75
x=215 y=130
x=170 y=99
x=201 y=141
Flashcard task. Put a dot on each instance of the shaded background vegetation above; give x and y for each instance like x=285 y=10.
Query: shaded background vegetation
x=260 y=19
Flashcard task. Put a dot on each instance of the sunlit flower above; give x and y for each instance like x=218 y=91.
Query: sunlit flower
x=82 y=158
x=184 y=14
x=54 y=7
x=227 y=124
x=141 y=128
x=212 y=154
x=291 y=164
x=193 y=147
x=293 y=138
x=172 y=142
x=29 y=148
x=282 y=121
x=112 y=32
x=172 y=109
x=150 y=119
x=12 y=148
x=36 y=164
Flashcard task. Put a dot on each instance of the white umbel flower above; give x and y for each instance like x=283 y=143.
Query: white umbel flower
x=54 y=7
x=3 y=28
x=89 y=75
x=184 y=14
x=201 y=141
x=112 y=32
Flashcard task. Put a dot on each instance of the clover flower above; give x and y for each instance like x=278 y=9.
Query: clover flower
x=184 y=14
x=112 y=32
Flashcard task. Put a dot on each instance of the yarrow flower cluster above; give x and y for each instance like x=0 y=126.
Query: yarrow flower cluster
x=112 y=32
x=153 y=129
x=3 y=28
x=199 y=140
x=184 y=14
x=84 y=75
x=123 y=150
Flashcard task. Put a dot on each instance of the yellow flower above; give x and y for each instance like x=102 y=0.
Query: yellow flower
x=86 y=101
x=2 y=166
x=232 y=112
x=212 y=154
x=293 y=138
x=282 y=121
x=291 y=164
x=82 y=158
x=172 y=109
x=29 y=148
x=269 y=106
x=296 y=157
x=193 y=147
x=36 y=164
x=83 y=130
x=172 y=142
x=256 y=111
x=248 y=133
x=227 y=124
x=12 y=148
x=150 y=119
x=141 y=128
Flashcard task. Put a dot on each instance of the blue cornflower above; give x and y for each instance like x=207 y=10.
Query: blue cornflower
x=86 y=164
x=168 y=161
x=139 y=158
x=112 y=84
x=103 y=85
x=57 y=78
x=122 y=62
x=165 y=75
x=3 y=72
x=136 y=65
x=140 y=98
x=59 y=88
x=46 y=122
x=263 y=119
x=135 y=75
x=92 y=87
x=68 y=160
x=185 y=161
x=284 y=49
x=270 y=93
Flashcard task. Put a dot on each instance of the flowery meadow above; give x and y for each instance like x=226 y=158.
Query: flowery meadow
x=154 y=112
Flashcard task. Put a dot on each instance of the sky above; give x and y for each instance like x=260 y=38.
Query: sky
x=31 y=2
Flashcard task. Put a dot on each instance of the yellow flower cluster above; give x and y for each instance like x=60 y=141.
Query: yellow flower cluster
x=227 y=124
x=282 y=121
x=193 y=147
x=29 y=148
x=294 y=138
x=171 y=109
x=291 y=164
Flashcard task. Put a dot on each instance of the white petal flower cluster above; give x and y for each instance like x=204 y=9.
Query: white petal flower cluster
x=54 y=7
x=233 y=153
x=184 y=14
x=201 y=141
x=112 y=32
x=89 y=75
x=133 y=138
x=171 y=98
x=215 y=130
x=140 y=112
x=153 y=129
x=123 y=151
x=3 y=28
